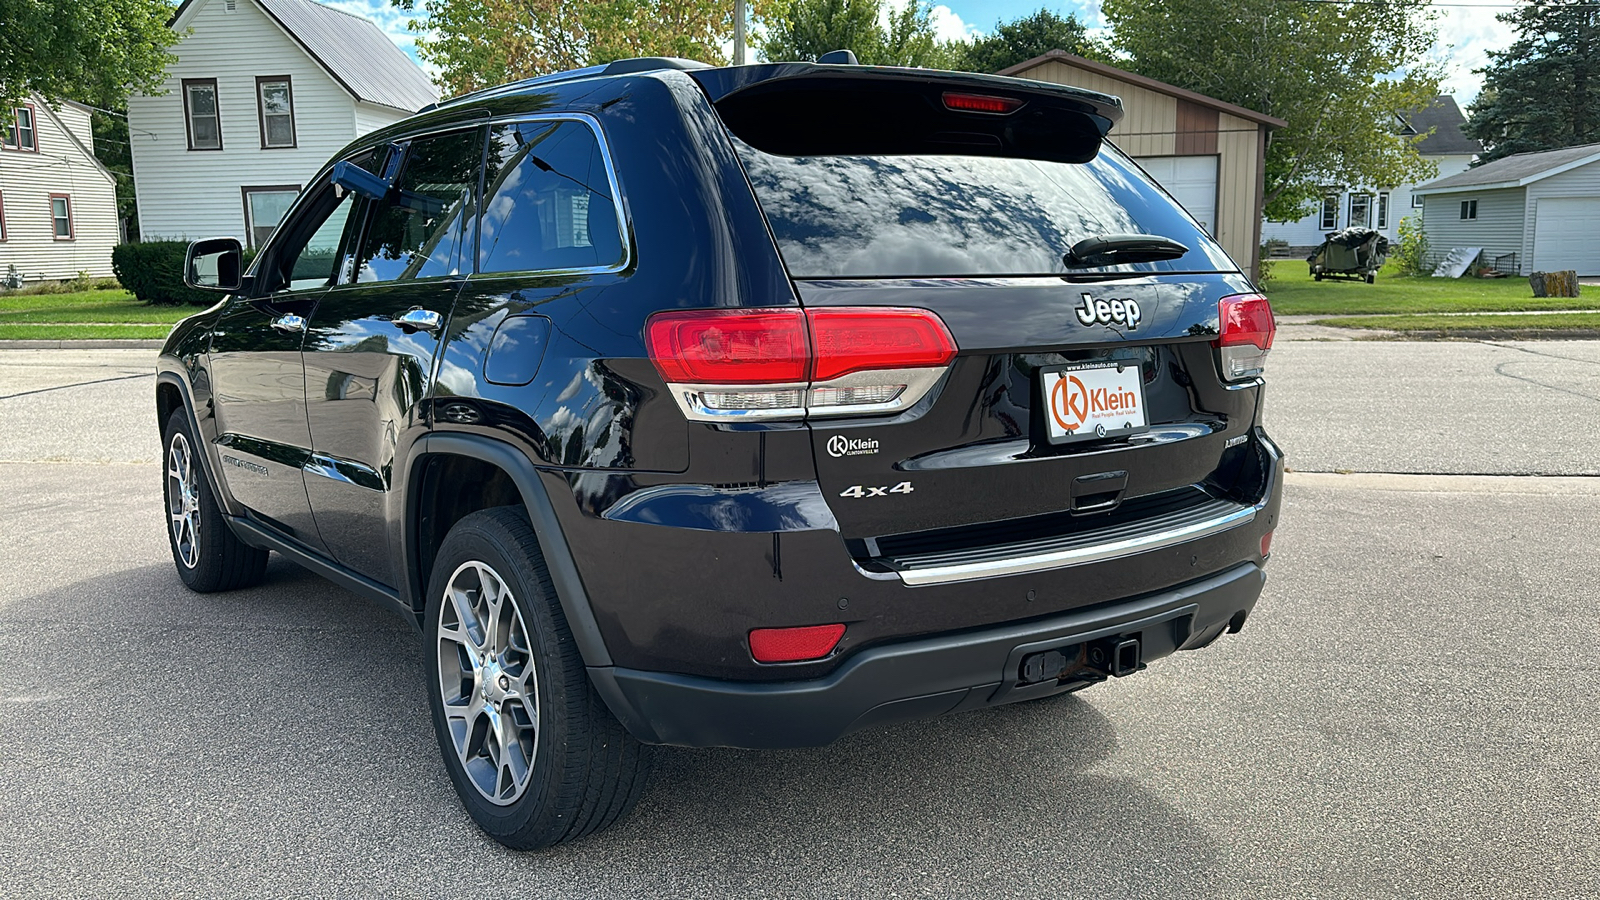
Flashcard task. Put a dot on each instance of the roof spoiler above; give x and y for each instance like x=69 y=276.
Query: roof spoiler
x=815 y=109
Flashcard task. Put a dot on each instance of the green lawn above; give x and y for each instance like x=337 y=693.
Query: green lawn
x=84 y=316
x=1468 y=326
x=1293 y=292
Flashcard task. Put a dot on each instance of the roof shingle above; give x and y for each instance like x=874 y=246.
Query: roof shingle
x=1512 y=169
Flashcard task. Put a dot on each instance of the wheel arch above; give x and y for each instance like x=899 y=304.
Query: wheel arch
x=172 y=392
x=520 y=475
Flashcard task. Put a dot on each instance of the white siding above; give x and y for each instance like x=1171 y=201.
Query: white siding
x=371 y=117
x=26 y=182
x=76 y=118
x=1583 y=181
x=185 y=194
x=1498 y=228
x=1307 y=231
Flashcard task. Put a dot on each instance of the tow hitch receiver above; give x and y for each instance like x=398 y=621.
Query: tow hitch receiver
x=1117 y=656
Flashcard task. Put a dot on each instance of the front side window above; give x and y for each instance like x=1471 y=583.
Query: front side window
x=264 y=208
x=1330 y=212
x=202 y=117
x=416 y=230
x=1360 y=210
x=27 y=130
x=61 y=216
x=1383 y=210
x=275 y=109
x=316 y=243
x=549 y=201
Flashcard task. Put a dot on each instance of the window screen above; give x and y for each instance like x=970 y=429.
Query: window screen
x=416 y=231
x=549 y=201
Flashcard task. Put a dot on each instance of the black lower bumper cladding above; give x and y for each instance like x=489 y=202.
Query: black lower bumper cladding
x=926 y=677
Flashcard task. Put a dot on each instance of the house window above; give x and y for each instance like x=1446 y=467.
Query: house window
x=1416 y=201
x=1383 y=210
x=1360 y=210
x=202 y=118
x=264 y=208
x=20 y=130
x=275 y=110
x=1469 y=209
x=1330 y=212
x=61 y=217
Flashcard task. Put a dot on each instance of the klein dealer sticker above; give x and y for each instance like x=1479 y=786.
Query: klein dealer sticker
x=1093 y=401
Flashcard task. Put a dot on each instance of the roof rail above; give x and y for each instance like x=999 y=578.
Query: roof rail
x=619 y=67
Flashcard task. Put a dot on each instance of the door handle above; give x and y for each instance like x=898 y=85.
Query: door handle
x=290 y=324
x=418 y=319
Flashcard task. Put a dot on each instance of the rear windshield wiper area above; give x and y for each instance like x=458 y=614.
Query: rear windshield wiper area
x=1117 y=249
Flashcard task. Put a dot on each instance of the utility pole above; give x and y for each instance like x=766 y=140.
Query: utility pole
x=738 y=32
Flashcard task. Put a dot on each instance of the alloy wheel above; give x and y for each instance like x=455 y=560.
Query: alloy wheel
x=183 y=500
x=488 y=682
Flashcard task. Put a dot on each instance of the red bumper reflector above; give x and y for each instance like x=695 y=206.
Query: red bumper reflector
x=1266 y=545
x=774 y=645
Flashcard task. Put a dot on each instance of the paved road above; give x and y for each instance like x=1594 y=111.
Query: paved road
x=1410 y=713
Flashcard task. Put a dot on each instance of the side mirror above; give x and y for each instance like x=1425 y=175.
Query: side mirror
x=214 y=264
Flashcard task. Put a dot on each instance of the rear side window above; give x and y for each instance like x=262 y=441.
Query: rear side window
x=928 y=216
x=549 y=202
x=416 y=231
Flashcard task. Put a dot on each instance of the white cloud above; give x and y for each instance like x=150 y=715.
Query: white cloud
x=947 y=25
x=1465 y=37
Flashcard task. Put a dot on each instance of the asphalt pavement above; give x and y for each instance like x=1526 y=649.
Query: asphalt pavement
x=1410 y=713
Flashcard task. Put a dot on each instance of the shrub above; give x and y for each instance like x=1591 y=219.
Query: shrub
x=153 y=272
x=1410 y=256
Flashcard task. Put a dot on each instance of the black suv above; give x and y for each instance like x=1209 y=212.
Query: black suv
x=739 y=407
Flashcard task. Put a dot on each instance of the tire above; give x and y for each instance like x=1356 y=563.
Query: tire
x=1317 y=276
x=530 y=777
x=1371 y=278
x=208 y=555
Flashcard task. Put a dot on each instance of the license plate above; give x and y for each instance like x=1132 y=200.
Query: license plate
x=1093 y=401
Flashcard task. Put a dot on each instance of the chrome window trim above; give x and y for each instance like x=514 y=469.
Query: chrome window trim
x=618 y=203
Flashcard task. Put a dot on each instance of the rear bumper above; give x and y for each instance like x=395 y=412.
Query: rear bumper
x=919 y=678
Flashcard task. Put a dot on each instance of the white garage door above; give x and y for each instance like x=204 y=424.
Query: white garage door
x=1192 y=180
x=1566 y=235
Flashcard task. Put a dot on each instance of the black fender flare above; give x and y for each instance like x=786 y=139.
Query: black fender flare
x=208 y=460
x=524 y=474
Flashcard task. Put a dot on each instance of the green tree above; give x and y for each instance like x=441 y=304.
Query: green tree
x=93 y=51
x=1337 y=73
x=479 y=43
x=111 y=148
x=1023 y=39
x=806 y=29
x=1542 y=92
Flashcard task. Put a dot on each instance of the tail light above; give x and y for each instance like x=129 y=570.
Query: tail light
x=750 y=364
x=1246 y=331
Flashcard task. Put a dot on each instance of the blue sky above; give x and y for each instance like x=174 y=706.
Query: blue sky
x=1465 y=32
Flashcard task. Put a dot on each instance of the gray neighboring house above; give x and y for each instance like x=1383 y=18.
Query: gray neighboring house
x=1530 y=212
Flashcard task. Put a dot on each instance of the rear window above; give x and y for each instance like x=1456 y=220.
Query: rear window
x=928 y=216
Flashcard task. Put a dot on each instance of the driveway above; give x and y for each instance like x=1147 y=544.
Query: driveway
x=1409 y=713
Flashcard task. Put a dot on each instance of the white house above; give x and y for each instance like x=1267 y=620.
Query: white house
x=1382 y=208
x=58 y=204
x=1529 y=212
x=263 y=92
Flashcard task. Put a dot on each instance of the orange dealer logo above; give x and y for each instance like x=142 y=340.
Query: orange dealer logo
x=1072 y=404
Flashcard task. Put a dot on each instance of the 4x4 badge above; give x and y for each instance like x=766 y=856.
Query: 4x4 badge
x=1107 y=312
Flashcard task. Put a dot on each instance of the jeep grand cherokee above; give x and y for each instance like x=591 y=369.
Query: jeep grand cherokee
x=739 y=407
